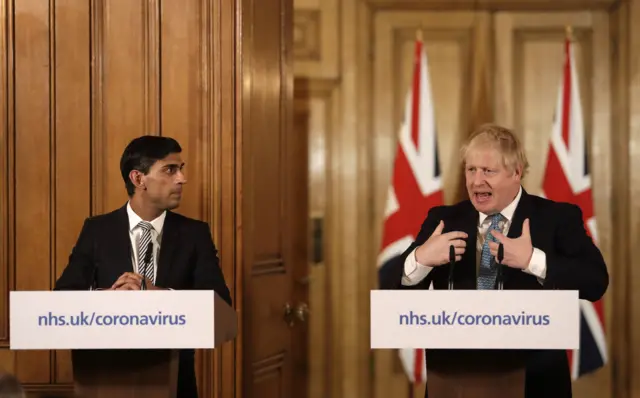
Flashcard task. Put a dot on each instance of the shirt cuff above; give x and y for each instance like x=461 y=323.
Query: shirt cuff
x=414 y=272
x=537 y=264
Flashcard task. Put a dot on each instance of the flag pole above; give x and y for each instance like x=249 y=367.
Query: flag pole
x=569 y=32
x=419 y=39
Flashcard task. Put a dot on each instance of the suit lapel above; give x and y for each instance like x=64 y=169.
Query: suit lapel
x=170 y=240
x=118 y=243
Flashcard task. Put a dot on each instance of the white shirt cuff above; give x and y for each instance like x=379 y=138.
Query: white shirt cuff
x=414 y=272
x=537 y=265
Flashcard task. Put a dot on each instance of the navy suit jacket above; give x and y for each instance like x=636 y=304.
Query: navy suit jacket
x=573 y=263
x=187 y=260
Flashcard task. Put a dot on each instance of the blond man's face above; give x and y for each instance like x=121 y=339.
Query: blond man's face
x=490 y=185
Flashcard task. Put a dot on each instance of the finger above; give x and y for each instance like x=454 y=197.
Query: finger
x=494 y=252
x=458 y=258
x=493 y=245
x=439 y=228
x=459 y=250
x=459 y=243
x=456 y=235
x=124 y=279
x=133 y=275
x=498 y=235
x=130 y=286
x=120 y=282
x=525 y=228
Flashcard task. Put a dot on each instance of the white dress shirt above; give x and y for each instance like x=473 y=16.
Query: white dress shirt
x=415 y=272
x=135 y=232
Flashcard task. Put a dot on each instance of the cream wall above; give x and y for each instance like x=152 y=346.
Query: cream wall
x=489 y=61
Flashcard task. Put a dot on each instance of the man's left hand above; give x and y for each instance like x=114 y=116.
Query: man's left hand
x=517 y=251
x=150 y=285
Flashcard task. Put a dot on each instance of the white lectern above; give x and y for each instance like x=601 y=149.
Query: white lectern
x=477 y=341
x=124 y=343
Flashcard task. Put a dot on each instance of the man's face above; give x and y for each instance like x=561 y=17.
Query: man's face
x=164 y=182
x=490 y=185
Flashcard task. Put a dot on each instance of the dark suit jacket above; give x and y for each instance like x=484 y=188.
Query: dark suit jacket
x=573 y=263
x=187 y=260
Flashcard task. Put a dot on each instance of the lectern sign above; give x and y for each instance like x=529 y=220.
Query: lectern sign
x=475 y=319
x=111 y=319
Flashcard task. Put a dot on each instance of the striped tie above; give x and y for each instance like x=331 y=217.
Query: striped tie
x=488 y=269
x=145 y=251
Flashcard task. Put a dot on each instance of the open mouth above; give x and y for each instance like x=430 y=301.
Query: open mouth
x=482 y=197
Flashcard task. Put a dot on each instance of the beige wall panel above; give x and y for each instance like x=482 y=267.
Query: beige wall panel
x=316 y=35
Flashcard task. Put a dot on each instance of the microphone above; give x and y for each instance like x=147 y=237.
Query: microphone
x=147 y=261
x=94 y=272
x=452 y=261
x=500 y=266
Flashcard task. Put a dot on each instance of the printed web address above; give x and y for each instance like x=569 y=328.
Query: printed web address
x=94 y=319
x=454 y=318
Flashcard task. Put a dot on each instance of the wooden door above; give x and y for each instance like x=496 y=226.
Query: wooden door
x=274 y=208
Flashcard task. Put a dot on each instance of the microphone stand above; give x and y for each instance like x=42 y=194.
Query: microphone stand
x=500 y=257
x=452 y=261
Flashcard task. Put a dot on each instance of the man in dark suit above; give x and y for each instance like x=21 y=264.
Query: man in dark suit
x=143 y=244
x=545 y=245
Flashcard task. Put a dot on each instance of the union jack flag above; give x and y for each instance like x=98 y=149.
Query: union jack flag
x=416 y=186
x=567 y=179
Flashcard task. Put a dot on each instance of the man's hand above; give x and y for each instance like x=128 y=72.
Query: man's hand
x=517 y=251
x=133 y=281
x=435 y=251
x=150 y=285
x=128 y=281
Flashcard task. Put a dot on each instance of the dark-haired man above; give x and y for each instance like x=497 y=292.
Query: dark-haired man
x=143 y=244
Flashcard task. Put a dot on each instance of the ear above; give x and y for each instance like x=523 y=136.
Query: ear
x=137 y=178
x=518 y=173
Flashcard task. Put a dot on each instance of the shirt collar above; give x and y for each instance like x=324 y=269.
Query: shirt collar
x=134 y=219
x=508 y=211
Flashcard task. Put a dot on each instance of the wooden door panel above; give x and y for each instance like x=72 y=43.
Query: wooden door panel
x=33 y=166
x=275 y=203
x=72 y=142
x=181 y=80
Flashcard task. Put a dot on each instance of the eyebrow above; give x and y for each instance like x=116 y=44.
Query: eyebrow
x=173 y=165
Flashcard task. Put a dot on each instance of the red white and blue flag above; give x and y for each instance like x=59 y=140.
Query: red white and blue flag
x=567 y=179
x=416 y=186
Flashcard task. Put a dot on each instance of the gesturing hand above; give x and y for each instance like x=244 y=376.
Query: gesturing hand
x=435 y=251
x=517 y=251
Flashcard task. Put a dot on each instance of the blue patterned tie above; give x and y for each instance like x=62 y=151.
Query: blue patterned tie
x=488 y=269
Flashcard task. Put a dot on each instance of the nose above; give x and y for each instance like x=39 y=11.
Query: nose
x=477 y=179
x=181 y=178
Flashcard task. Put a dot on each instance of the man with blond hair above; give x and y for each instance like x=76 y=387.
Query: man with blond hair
x=545 y=244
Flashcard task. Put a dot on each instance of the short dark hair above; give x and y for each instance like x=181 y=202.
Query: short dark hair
x=142 y=153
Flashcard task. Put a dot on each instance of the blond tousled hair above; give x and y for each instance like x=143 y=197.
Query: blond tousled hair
x=502 y=139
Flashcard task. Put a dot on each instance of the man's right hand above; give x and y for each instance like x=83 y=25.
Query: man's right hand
x=435 y=251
